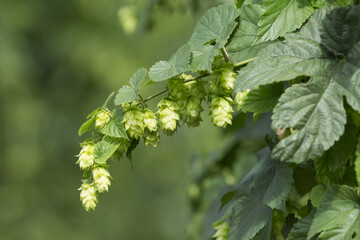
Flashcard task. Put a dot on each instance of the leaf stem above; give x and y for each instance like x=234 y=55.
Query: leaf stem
x=226 y=55
x=244 y=62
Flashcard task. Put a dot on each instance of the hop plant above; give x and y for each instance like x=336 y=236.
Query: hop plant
x=239 y=97
x=102 y=118
x=88 y=195
x=101 y=179
x=133 y=120
x=227 y=79
x=168 y=113
x=221 y=110
x=86 y=156
x=151 y=136
x=222 y=231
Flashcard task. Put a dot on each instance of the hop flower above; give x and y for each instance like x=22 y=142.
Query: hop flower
x=151 y=138
x=86 y=157
x=134 y=126
x=222 y=231
x=102 y=118
x=221 y=111
x=190 y=113
x=88 y=195
x=168 y=115
x=227 y=79
x=239 y=97
x=101 y=179
x=150 y=121
x=176 y=88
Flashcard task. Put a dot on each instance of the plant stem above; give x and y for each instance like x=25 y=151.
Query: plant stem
x=244 y=62
x=226 y=55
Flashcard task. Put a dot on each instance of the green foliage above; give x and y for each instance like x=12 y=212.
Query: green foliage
x=304 y=184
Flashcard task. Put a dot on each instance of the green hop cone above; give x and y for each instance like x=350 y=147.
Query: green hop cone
x=168 y=113
x=101 y=179
x=192 y=109
x=176 y=88
x=227 y=79
x=102 y=118
x=151 y=138
x=150 y=121
x=133 y=120
x=221 y=110
x=88 y=195
x=239 y=98
x=222 y=231
x=86 y=156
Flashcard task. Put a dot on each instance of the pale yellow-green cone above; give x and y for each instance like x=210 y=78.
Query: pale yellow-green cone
x=134 y=125
x=101 y=179
x=176 y=88
x=239 y=97
x=221 y=110
x=86 y=157
x=88 y=195
x=193 y=110
x=227 y=79
x=168 y=113
x=151 y=138
x=150 y=121
x=102 y=118
x=222 y=231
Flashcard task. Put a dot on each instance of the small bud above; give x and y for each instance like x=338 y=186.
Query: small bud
x=88 y=195
x=86 y=157
x=102 y=118
x=222 y=231
x=240 y=96
x=134 y=126
x=168 y=115
x=221 y=110
x=101 y=179
x=150 y=121
x=151 y=138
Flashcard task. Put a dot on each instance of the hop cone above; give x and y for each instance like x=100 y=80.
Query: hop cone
x=134 y=126
x=88 y=195
x=151 y=136
x=239 y=97
x=102 y=118
x=222 y=231
x=168 y=115
x=176 y=88
x=221 y=111
x=86 y=157
x=101 y=179
x=227 y=80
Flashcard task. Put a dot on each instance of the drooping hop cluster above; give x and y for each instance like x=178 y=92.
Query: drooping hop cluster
x=133 y=121
x=88 y=195
x=102 y=118
x=224 y=80
x=222 y=231
x=101 y=179
x=221 y=111
x=239 y=98
x=86 y=156
x=191 y=112
x=151 y=134
x=176 y=88
x=168 y=113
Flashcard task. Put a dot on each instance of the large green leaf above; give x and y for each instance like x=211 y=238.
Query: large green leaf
x=105 y=149
x=114 y=128
x=86 y=126
x=265 y=187
x=137 y=78
x=330 y=3
x=242 y=44
x=125 y=94
x=314 y=110
x=178 y=63
x=338 y=215
x=301 y=229
x=211 y=33
x=282 y=16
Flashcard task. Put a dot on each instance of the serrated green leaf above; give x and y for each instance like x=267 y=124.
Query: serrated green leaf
x=262 y=99
x=226 y=198
x=316 y=195
x=137 y=78
x=338 y=215
x=330 y=3
x=214 y=27
x=357 y=161
x=125 y=94
x=319 y=116
x=242 y=46
x=86 y=126
x=281 y=17
x=178 y=63
x=114 y=129
x=267 y=184
x=301 y=229
x=105 y=148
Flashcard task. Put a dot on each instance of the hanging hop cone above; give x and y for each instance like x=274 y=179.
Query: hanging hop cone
x=168 y=113
x=226 y=80
x=176 y=88
x=151 y=136
x=88 y=195
x=192 y=108
x=221 y=110
x=133 y=120
x=86 y=156
x=222 y=231
x=101 y=179
x=239 y=98
x=102 y=118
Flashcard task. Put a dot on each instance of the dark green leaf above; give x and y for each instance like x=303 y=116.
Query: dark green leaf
x=105 y=148
x=301 y=229
x=125 y=94
x=227 y=198
x=316 y=195
x=114 y=129
x=86 y=126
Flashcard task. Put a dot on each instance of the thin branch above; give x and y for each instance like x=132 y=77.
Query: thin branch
x=244 y=62
x=226 y=55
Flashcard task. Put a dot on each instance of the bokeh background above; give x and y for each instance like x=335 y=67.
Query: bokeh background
x=58 y=61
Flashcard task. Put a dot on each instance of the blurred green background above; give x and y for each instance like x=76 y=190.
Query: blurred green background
x=58 y=61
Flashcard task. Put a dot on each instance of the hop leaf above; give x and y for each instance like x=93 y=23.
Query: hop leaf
x=168 y=112
x=221 y=111
x=101 y=179
x=88 y=195
x=134 y=125
x=86 y=157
